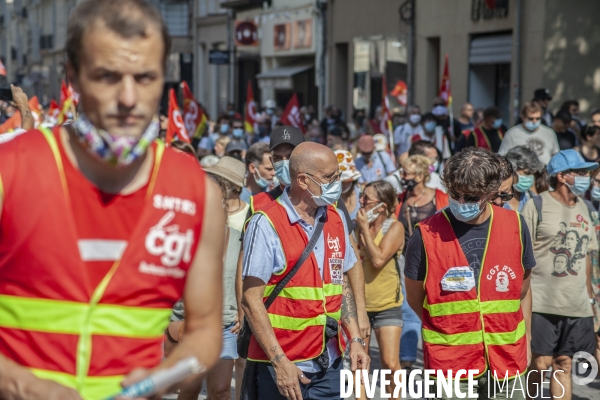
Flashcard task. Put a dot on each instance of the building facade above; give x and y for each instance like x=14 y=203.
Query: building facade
x=33 y=35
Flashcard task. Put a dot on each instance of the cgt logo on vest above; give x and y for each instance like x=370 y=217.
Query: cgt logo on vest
x=503 y=277
x=171 y=245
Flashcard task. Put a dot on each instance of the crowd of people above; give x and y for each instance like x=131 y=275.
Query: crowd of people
x=276 y=254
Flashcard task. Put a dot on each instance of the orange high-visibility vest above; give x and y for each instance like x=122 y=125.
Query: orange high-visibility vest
x=298 y=315
x=52 y=320
x=259 y=201
x=475 y=329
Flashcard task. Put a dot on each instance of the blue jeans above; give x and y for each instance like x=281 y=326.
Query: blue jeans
x=410 y=332
x=322 y=386
x=229 y=349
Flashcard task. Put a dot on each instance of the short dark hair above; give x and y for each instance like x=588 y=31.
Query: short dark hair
x=590 y=130
x=506 y=169
x=418 y=147
x=567 y=104
x=385 y=194
x=256 y=153
x=472 y=171
x=492 y=112
x=127 y=18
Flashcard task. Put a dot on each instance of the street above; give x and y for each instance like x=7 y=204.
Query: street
x=588 y=392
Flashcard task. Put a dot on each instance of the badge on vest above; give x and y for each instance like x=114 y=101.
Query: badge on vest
x=336 y=270
x=458 y=279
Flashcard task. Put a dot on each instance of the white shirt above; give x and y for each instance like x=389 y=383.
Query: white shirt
x=403 y=135
x=5 y=137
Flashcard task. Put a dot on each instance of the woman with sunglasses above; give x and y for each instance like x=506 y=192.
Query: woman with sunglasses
x=381 y=241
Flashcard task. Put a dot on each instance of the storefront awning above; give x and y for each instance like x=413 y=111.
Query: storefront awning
x=280 y=78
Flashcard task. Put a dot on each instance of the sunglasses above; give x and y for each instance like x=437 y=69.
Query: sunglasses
x=504 y=196
x=467 y=199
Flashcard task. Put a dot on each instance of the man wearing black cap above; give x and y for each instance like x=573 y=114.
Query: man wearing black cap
x=566 y=138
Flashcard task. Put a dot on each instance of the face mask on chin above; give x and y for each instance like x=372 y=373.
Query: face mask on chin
x=118 y=151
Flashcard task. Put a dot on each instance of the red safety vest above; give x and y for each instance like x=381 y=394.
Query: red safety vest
x=298 y=314
x=481 y=139
x=259 y=201
x=52 y=320
x=475 y=329
x=441 y=201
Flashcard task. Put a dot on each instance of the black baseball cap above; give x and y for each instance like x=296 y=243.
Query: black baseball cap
x=542 y=94
x=286 y=134
x=233 y=146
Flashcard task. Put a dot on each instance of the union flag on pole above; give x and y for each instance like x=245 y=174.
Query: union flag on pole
x=176 y=125
x=400 y=92
x=445 y=92
x=250 y=114
x=53 y=109
x=291 y=115
x=194 y=117
x=386 y=116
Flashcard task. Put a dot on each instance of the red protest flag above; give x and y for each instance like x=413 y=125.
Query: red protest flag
x=291 y=115
x=2 y=68
x=386 y=116
x=176 y=125
x=53 y=109
x=400 y=92
x=445 y=92
x=64 y=93
x=250 y=114
x=194 y=117
x=73 y=94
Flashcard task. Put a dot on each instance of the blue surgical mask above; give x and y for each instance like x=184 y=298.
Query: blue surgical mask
x=224 y=128
x=580 y=186
x=260 y=181
x=330 y=193
x=532 y=126
x=414 y=118
x=238 y=133
x=524 y=183
x=466 y=211
x=282 y=171
x=497 y=123
x=430 y=126
x=595 y=193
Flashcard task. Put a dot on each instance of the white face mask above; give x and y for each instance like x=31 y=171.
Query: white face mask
x=371 y=215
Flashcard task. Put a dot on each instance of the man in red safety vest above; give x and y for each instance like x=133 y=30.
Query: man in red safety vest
x=467 y=277
x=103 y=228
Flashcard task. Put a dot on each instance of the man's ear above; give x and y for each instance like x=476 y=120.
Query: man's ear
x=252 y=168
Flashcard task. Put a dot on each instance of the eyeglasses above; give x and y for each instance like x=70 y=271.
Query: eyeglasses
x=578 y=172
x=368 y=201
x=504 y=196
x=466 y=198
x=330 y=181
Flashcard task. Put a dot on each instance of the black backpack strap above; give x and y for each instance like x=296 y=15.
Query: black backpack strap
x=537 y=201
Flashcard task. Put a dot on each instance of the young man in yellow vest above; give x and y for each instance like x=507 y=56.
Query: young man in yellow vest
x=297 y=343
x=467 y=272
x=102 y=228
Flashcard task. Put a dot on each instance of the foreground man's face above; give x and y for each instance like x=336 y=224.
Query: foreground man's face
x=120 y=80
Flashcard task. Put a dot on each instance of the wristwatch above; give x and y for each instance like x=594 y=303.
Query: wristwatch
x=358 y=340
x=593 y=300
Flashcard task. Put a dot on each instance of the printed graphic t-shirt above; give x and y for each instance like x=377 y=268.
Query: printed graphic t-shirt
x=560 y=244
x=472 y=239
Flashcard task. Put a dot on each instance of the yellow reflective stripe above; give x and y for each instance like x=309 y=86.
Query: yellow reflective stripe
x=296 y=324
x=336 y=315
x=451 y=308
x=297 y=293
x=504 y=338
x=160 y=150
x=500 y=306
x=457 y=339
x=111 y=320
x=94 y=387
x=331 y=289
x=56 y=153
